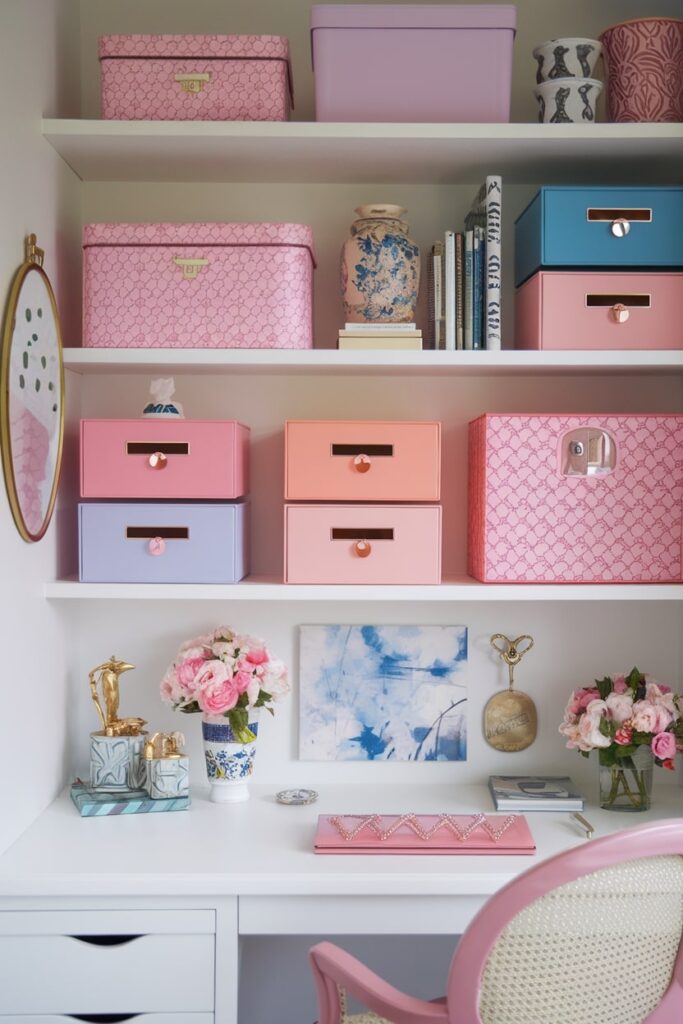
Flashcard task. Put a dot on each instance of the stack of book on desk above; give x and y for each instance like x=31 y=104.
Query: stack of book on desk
x=534 y=793
x=380 y=336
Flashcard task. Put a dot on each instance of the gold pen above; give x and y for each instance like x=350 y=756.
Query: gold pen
x=584 y=823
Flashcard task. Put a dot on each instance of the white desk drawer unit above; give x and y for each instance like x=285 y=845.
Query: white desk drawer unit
x=158 y=965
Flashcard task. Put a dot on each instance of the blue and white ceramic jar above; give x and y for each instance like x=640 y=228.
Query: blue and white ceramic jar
x=380 y=268
x=116 y=763
x=229 y=764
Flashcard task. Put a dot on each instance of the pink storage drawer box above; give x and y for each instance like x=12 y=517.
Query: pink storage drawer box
x=162 y=459
x=195 y=78
x=353 y=460
x=576 y=499
x=198 y=286
x=599 y=310
x=409 y=62
x=376 y=544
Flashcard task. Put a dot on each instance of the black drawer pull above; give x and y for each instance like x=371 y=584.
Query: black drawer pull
x=106 y=940
x=167 y=532
x=369 y=533
x=104 y=1018
x=151 y=447
x=363 y=449
x=623 y=299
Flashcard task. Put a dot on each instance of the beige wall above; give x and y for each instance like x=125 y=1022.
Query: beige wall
x=39 y=73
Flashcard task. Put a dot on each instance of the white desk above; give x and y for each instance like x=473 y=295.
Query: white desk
x=253 y=864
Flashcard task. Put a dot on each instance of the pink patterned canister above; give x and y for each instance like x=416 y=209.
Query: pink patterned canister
x=197 y=286
x=195 y=78
x=645 y=69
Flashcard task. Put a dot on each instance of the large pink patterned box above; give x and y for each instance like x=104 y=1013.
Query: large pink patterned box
x=195 y=78
x=576 y=499
x=198 y=286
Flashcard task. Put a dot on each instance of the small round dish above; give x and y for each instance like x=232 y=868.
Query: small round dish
x=566 y=58
x=296 y=797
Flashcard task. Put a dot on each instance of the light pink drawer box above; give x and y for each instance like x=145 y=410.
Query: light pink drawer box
x=201 y=459
x=379 y=544
x=576 y=499
x=597 y=310
x=355 y=460
x=195 y=78
x=198 y=285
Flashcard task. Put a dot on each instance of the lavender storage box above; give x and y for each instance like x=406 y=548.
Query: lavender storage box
x=121 y=542
x=408 y=62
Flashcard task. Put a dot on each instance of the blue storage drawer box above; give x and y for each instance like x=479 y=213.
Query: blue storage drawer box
x=131 y=542
x=600 y=227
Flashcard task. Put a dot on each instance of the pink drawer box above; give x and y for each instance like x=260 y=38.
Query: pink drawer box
x=576 y=499
x=198 y=286
x=412 y=62
x=354 y=460
x=375 y=544
x=195 y=78
x=598 y=310
x=200 y=459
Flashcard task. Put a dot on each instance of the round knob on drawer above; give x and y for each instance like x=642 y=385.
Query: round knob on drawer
x=362 y=548
x=620 y=313
x=158 y=460
x=620 y=227
x=157 y=546
x=362 y=463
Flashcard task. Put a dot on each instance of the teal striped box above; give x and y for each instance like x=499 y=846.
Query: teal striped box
x=91 y=803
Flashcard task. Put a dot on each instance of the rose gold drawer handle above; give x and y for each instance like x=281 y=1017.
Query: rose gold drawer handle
x=157 y=546
x=158 y=460
x=620 y=313
x=362 y=463
x=362 y=548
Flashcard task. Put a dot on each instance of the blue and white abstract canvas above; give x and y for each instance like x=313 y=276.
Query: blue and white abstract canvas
x=383 y=693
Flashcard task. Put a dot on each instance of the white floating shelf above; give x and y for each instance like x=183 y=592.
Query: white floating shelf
x=330 y=361
x=388 y=153
x=269 y=589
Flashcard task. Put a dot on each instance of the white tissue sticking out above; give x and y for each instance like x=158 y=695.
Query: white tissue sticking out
x=162 y=403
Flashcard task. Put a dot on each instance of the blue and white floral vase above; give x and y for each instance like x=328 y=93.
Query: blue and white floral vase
x=380 y=268
x=229 y=763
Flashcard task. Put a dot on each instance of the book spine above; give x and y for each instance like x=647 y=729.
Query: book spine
x=437 y=298
x=469 y=291
x=459 y=292
x=449 y=288
x=476 y=287
x=493 y=270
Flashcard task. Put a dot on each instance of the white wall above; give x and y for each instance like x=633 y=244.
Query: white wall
x=39 y=73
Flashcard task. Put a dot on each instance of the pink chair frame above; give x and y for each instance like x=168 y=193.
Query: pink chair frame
x=332 y=967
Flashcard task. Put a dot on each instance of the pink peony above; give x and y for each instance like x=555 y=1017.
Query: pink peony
x=589 y=726
x=171 y=690
x=257 y=655
x=275 y=681
x=222 y=649
x=187 y=672
x=580 y=700
x=253 y=690
x=645 y=716
x=242 y=680
x=620 y=706
x=663 y=745
x=217 y=689
x=619 y=684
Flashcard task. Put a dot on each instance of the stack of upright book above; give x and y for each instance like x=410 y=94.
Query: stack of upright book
x=380 y=336
x=465 y=277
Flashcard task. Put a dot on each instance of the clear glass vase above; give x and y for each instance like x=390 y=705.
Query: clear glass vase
x=627 y=785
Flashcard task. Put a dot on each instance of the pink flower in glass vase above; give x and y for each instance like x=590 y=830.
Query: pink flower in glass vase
x=619 y=684
x=620 y=706
x=645 y=716
x=624 y=735
x=663 y=745
x=589 y=725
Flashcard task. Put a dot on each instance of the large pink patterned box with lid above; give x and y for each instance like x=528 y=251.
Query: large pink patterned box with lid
x=195 y=78
x=198 y=286
x=576 y=498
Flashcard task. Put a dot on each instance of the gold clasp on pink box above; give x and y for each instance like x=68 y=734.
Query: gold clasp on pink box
x=194 y=82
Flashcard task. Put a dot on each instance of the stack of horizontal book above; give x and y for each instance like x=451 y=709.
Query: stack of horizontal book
x=380 y=336
x=464 y=277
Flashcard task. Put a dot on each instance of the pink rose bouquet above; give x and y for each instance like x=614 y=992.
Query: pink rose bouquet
x=621 y=713
x=225 y=673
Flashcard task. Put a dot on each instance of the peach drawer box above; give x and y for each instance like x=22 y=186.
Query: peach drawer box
x=202 y=459
x=576 y=499
x=376 y=544
x=354 y=460
x=198 y=285
x=597 y=310
x=195 y=78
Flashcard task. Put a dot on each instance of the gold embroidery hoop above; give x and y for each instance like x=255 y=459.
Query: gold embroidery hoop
x=510 y=718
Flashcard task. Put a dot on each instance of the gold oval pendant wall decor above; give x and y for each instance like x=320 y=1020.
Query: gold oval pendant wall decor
x=510 y=718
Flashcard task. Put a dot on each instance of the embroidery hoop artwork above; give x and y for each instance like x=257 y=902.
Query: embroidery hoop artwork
x=383 y=693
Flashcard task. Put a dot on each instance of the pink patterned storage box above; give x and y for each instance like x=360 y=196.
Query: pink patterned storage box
x=198 y=286
x=576 y=499
x=561 y=309
x=195 y=78
x=164 y=459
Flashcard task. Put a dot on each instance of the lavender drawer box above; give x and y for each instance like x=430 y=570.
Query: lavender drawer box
x=163 y=543
x=412 y=62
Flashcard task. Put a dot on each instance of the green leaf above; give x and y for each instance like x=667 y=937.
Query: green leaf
x=604 y=687
x=585 y=753
x=634 y=678
x=190 y=709
x=626 y=751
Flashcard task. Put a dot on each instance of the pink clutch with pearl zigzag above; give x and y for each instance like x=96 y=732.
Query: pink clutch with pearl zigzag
x=428 y=834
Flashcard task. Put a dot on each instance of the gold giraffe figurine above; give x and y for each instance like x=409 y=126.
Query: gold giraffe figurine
x=108 y=675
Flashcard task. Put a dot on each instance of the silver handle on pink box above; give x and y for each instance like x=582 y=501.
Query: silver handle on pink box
x=587 y=451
